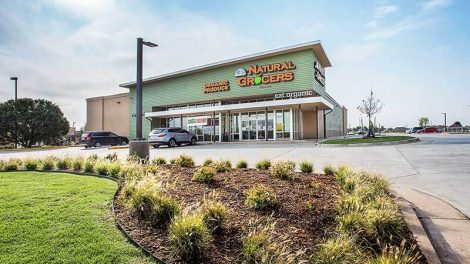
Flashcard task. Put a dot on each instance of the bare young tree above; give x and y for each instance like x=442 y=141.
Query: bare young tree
x=370 y=106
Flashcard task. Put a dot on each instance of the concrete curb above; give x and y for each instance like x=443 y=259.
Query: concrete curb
x=419 y=231
x=390 y=143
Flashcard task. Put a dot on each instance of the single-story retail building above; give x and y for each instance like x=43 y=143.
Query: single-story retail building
x=274 y=95
x=108 y=113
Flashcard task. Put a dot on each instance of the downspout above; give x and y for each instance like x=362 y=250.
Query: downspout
x=324 y=122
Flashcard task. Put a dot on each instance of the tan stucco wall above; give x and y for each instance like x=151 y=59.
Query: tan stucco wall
x=109 y=113
x=310 y=126
x=321 y=125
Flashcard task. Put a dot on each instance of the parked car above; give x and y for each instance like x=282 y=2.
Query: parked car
x=171 y=137
x=414 y=130
x=102 y=138
x=428 y=130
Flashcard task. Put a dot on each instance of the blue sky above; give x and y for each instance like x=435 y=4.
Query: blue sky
x=413 y=54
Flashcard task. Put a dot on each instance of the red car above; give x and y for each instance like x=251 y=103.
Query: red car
x=428 y=130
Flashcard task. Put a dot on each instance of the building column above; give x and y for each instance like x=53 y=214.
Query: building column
x=291 y=124
x=220 y=127
x=266 y=124
x=275 y=125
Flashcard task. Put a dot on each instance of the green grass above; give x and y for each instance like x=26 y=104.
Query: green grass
x=60 y=218
x=365 y=140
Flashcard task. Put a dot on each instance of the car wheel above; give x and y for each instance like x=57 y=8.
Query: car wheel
x=193 y=141
x=98 y=144
x=172 y=143
x=156 y=146
x=123 y=143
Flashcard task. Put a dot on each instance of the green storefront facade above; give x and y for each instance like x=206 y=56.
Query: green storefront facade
x=274 y=95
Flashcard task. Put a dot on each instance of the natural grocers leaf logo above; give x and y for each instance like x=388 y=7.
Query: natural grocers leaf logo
x=258 y=80
x=240 y=72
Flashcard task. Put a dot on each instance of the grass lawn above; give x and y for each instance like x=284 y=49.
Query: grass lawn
x=365 y=140
x=60 y=218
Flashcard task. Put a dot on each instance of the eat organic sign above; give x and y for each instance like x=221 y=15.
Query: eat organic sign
x=265 y=74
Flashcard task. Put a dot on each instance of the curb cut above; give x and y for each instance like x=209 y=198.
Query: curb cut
x=419 y=231
x=390 y=143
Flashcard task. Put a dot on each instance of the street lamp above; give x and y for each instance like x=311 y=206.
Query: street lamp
x=445 y=122
x=16 y=86
x=140 y=147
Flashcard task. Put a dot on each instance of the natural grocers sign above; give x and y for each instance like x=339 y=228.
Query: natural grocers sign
x=265 y=74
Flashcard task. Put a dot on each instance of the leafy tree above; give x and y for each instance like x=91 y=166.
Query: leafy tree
x=370 y=106
x=29 y=122
x=423 y=121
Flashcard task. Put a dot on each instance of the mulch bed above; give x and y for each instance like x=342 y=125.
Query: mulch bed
x=305 y=226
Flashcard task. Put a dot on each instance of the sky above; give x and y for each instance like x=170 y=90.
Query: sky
x=414 y=55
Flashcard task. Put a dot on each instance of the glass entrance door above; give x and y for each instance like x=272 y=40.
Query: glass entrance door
x=253 y=125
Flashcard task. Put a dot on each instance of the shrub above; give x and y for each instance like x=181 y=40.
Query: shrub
x=315 y=185
x=31 y=164
x=207 y=162
x=339 y=249
x=222 y=166
x=173 y=161
x=329 y=170
x=204 y=174
x=113 y=169
x=184 y=161
x=48 y=164
x=397 y=255
x=89 y=166
x=64 y=164
x=189 y=237
x=260 y=197
x=214 y=215
x=242 y=164
x=256 y=246
x=263 y=164
x=283 y=170
x=101 y=168
x=384 y=225
x=132 y=171
x=2 y=165
x=12 y=164
x=159 y=161
x=93 y=157
x=77 y=164
x=306 y=167
x=342 y=173
x=111 y=157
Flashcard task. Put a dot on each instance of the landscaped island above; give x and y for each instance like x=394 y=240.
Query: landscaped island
x=215 y=213
x=378 y=139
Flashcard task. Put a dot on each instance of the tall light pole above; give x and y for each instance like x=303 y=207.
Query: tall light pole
x=139 y=147
x=16 y=86
x=445 y=122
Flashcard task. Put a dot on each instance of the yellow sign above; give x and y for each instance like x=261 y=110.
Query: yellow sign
x=219 y=86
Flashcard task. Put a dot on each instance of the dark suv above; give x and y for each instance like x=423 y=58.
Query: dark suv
x=101 y=138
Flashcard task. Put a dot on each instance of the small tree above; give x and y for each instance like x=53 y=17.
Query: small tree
x=423 y=121
x=29 y=121
x=370 y=106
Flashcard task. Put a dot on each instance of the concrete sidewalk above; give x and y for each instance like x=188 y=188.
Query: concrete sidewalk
x=447 y=228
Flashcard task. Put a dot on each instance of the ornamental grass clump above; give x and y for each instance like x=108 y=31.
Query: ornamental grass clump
x=12 y=164
x=77 y=164
x=48 y=164
x=242 y=164
x=189 y=237
x=113 y=169
x=101 y=168
x=184 y=161
x=222 y=166
x=284 y=170
x=207 y=162
x=263 y=164
x=260 y=197
x=64 y=164
x=329 y=170
x=214 y=214
x=111 y=157
x=397 y=255
x=132 y=171
x=204 y=174
x=2 y=165
x=159 y=161
x=338 y=249
x=306 y=167
x=31 y=164
x=89 y=166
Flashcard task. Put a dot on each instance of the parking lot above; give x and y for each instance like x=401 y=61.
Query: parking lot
x=438 y=164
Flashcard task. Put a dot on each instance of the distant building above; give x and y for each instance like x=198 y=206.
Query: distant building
x=399 y=129
x=108 y=113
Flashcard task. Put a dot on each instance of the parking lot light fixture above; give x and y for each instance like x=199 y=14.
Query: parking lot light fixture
x=16 y=86
x=445 y=122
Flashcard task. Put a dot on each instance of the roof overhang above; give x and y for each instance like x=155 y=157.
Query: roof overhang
x=307 y=103
x=314 y=45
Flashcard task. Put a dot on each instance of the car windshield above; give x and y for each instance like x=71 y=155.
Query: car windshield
x=85 y=135
x=158 y=130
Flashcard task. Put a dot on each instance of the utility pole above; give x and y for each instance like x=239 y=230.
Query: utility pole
x=16 y=98
x=445 y=122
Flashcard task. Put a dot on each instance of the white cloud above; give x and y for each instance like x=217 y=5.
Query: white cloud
x=380 y=13
x=435 y=4
x=407 y=24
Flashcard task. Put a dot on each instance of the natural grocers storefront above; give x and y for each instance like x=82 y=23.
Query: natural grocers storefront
x=274 y=95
